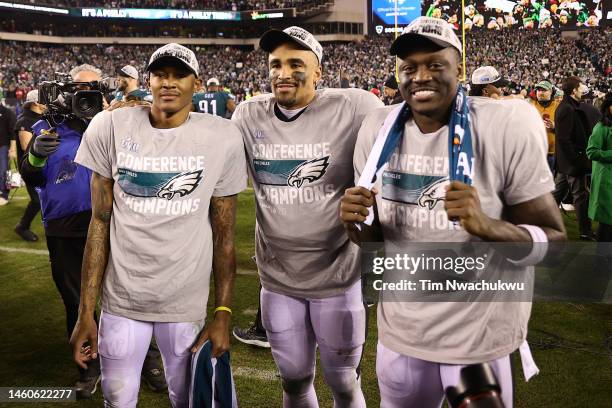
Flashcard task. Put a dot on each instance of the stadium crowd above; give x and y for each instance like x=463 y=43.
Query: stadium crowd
x=528 y=14
x=524 y=58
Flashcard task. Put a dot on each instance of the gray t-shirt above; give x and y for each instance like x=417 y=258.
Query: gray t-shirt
x=509 y=146
x=161 y=239
x=300 y=169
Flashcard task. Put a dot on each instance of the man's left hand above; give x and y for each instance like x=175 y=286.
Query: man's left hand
x=463 y=204
x=12 y=154
x=218 y=334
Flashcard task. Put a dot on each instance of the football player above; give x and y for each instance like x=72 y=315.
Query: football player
x=214 y=100
x=455 y=166
x=164 y=190
x=299 y=143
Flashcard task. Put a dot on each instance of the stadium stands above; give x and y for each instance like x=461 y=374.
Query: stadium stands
x=236 y=5
x=523 y=57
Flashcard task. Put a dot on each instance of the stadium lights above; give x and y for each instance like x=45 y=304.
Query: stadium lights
x=156 y=14
x=34 y=8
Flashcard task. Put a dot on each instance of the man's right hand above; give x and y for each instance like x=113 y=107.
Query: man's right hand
x=356 y=204
x=46 y=143
x=85 y=331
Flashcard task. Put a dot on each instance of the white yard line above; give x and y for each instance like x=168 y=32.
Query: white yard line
x=248 y=372
x=249 y=312
x=25 y=250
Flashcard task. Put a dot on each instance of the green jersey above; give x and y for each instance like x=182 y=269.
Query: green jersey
x=214 y=103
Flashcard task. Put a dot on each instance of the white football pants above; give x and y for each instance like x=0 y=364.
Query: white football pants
x=296 y=326
x=123 y=345
x=408 y=382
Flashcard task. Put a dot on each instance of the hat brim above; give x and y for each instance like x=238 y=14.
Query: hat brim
x=271 y=39
x=122 y=73
x=501 y=82
x=402 y=43
x=167 y=60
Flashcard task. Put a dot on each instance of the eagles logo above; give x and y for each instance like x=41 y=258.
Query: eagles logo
x=181 y=184
x=434 y=193
x=309 y=171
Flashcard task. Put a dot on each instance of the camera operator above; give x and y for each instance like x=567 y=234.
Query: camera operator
x=65 y=198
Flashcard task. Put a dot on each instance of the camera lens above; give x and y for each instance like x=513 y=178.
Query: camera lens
x=87 y=103
x=83 y=104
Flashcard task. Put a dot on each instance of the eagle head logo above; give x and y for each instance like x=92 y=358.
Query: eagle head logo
x=309 y=171
x=434 y=193
x=181 y=184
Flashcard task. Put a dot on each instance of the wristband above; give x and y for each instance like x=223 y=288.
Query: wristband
x=36 y=161
x=539 y=248
x=223 y=309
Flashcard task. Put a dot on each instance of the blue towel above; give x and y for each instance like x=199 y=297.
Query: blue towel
x=212 y=383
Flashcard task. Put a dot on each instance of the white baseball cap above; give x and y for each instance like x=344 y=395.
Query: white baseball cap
x=212 y=81
x=177 y=52
x=31 y=97
x=436 y=30
x=488 y=75
x=273 y=38
x=128 y=71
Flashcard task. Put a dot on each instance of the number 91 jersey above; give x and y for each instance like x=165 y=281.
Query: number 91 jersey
x=214 y=103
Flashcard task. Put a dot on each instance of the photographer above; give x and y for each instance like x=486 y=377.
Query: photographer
x=65 y=198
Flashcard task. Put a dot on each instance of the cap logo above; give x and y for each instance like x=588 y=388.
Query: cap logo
x=177 y=53
x=299 y=33
x=306 y=37
x=429 y=29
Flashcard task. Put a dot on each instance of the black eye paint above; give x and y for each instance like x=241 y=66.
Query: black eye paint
x=299 y=77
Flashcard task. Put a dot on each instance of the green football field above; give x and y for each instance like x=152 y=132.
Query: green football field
x=568 y=340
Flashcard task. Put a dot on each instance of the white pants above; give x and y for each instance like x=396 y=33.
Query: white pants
x=295 y=327
x=123 y=345
x=407 y=382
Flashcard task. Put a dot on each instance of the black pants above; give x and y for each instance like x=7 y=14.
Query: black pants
x=66 y=256
x=577 y=185
x=604 y=232
x=31 y=210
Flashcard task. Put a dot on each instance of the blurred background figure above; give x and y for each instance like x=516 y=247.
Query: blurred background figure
x=32 y=113
x=599 y=150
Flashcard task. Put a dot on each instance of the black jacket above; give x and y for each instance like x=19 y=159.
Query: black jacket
x=25 y=121
x=571 y=137
x=592 y=115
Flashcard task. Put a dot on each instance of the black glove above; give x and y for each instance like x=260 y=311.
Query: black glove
x=46 y=143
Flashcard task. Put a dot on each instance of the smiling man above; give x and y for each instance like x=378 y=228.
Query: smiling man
x=299 y=143
x=164 y=191
x=454 y=165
